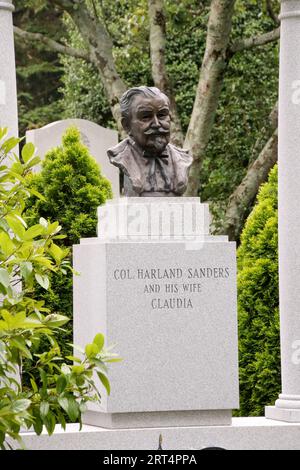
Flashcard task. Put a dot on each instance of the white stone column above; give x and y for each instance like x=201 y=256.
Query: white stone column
x=8 y=88
x=287 y=407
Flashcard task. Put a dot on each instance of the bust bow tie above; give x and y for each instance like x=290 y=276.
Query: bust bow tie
x=158 y=161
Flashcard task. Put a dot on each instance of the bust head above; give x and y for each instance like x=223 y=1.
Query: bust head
x=146 y=118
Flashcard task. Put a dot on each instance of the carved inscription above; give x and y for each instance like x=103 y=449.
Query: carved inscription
x=173 y=287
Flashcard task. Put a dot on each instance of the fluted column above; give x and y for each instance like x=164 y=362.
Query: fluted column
x=287 y=407
x=8 y=88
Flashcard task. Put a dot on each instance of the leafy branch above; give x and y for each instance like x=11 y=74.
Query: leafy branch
x=51 y=388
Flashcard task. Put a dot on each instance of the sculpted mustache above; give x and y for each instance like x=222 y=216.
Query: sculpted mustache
x=156 y=131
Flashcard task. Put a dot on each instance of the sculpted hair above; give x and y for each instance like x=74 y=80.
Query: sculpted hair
x=127 y=98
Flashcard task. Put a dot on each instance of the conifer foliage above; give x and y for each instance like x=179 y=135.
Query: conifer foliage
x=73 y=187
x=258 y=302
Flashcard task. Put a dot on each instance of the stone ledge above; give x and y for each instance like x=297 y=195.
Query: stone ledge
x=244 y=433
x=7 y=6
x=153 y=217
x=158 y=419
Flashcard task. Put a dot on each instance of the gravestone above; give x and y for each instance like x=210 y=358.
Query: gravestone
x=95 y=137
x=159 y=286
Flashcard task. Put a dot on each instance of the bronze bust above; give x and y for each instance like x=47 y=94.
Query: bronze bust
x=151 y=165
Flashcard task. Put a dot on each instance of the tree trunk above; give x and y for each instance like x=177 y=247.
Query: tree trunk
x=245 y=193
x=100 y=45
x=209 y=87
x=160 y=76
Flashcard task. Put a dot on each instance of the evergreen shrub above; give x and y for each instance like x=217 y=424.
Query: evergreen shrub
x=73 y=187
x=258 y=301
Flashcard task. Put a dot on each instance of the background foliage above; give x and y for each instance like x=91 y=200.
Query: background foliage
x=38 y=71
x=259 y=347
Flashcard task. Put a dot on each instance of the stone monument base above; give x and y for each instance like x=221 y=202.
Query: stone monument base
x=158 y=419
x=289 y=415
x=243 y=434
x=157 y=285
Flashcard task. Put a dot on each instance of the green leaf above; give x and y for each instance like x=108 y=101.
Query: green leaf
x=44 y=409
x=80 y=380
x=43 y=280
x=33 y=232
x=9 y=144
x=26 y=270
x=78 y=369
x=17 y=169
x=3 y=290
x=61 y=384
x=6 y=244
x=73 y=359
x=34 y=192
x=44 y=378
x=19 y=343
x=57 y=253
x=32 y=162
x=73 y=409
x=4 y=277
x=53 y=228
x=31 y=323
x=99 y=341
x=20 y=405
x=43 y=262
x=65 y=369
x=50 y=422
x=20 y=219
x=70 y=406
x=83 y=407
x=104 y=380
x=34 y=385
x=91 y=350
x=63 y=401
x=16 y=226
x=28 y=151
x=100 y=364
x=61 y=419
x=54 y=320
x=3 y=132
x=38 y=425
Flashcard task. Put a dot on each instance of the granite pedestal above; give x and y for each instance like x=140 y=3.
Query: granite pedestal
x=164 y=291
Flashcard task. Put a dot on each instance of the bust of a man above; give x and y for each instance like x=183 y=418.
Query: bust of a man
x=151 y=165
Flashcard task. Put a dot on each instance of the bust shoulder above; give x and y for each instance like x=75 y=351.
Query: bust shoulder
x=180 y=154
x=121 y=148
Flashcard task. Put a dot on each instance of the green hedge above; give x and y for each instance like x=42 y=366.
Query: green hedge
x=258 y=302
